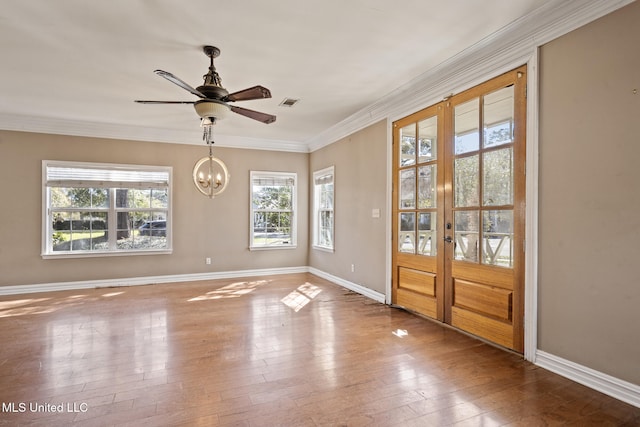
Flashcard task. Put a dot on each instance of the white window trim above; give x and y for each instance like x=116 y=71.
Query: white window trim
x=294 y=204
x=316 y=207
x=46 y=250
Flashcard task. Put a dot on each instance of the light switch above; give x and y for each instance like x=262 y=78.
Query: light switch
x=375 y=213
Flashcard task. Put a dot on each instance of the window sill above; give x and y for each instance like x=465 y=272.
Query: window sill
x=268 y=248
x=323 y=249
x=67 y=255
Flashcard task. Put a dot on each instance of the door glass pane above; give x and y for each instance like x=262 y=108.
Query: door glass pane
x=406 y=240
x=497 y=238
x=408 y=189
x=497 y=181
x=467 y=127
x=466 y=178
x=466 y=235
x=498 y=117
x=427 y=187
x=408 y=145
x=427 y=139
x=427 y=233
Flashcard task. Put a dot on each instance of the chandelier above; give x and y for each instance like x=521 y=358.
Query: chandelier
x=210 y=174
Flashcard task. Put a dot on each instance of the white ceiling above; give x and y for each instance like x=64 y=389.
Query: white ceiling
x=79 y=62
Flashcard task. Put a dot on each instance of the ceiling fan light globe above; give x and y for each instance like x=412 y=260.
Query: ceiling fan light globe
x=207 y=108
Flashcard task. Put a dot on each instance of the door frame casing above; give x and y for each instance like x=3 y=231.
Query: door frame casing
x=459 y=84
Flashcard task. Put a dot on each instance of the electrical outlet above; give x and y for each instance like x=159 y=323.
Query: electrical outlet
x=353 y=268
x=207 y=261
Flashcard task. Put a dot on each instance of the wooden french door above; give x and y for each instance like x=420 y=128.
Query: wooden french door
x=459 y=210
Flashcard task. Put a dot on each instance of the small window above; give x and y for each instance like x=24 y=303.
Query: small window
x=273 y=210
x=103 y=209
x=323 y=216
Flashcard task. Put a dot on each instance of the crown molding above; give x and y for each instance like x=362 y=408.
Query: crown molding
x=508 y=48
x=55 y=126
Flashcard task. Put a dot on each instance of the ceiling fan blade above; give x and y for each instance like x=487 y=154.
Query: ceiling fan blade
x=164 y=102
x=255 y=115
x=256 y=92
x=173 y=79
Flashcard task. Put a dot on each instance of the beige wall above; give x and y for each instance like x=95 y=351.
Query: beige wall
x=217 y=228
x=589 y=258
x=360 y=185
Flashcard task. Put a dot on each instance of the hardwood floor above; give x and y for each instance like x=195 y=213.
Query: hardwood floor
x=291 y=350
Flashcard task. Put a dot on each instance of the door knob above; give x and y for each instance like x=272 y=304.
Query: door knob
x=448 y=239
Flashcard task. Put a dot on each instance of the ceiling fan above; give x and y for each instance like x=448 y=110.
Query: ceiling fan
x=214 y=99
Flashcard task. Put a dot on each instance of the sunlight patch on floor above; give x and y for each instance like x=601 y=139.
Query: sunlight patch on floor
x=400 y=333
x=301 y=296
x=33 y=305
x=112 y=294
x=233 y=290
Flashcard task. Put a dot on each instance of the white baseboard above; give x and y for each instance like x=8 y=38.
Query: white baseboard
x=150 y=280
x=370 y=293
x=147 y=280
x=614 y=387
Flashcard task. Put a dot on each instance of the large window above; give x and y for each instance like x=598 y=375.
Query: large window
x=101 y=209
x=323 y=230
x=273 y=210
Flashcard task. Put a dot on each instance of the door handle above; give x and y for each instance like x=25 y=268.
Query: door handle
x=448 y=239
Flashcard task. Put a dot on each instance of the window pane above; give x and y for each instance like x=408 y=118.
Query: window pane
x=466 y=235
x=498 y=117
x=427 y=236
x=272 y=228
x=498 y=177
x=406 y=238
x=427 y=187
x=467 y=127
x=497 y=241
x=408 y=145
x=79 y=197
x=272 y=197
x=428 y=139
x=466 y=177
x=160 y=198
x=326 y=196
x=325 y=234
x=141 y=230
x=407 y=189
x=78 y=231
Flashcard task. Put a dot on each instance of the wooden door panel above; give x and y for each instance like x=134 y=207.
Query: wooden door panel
x=420 y=303
x=417 y=281
x=422 y=263
x=416 y=290
x=499 y=277
x=491 y=329
x=483 y=299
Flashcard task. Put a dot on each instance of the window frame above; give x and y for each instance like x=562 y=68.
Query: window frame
x=317 y=210
x=47 y=251
x=253 y=175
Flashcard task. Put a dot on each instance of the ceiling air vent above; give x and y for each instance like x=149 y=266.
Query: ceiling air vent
x=288 y=102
